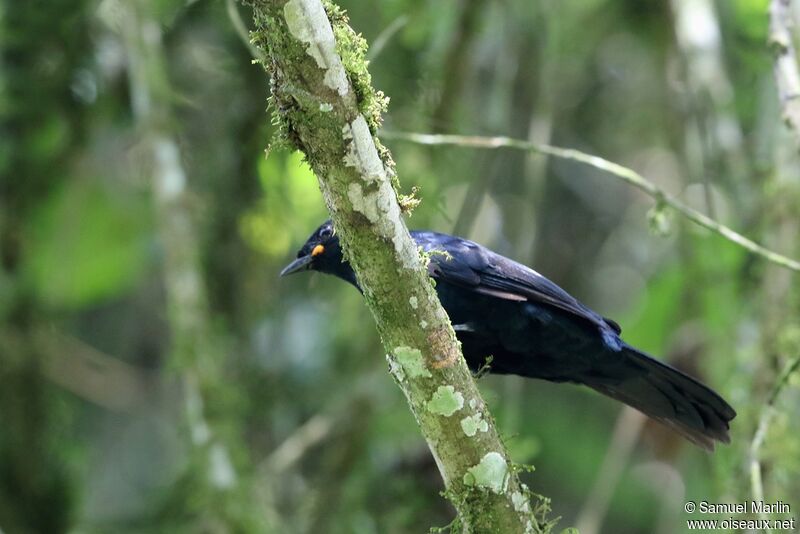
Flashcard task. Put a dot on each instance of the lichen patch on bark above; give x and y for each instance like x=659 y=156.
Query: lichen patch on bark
x=491 y=473
x=308 y=22
x=378 y=204
x=445 y=401
x=412 y=362
x=472 y=424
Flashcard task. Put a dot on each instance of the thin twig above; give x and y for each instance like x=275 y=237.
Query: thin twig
x=763 y=427
x=385 y=36
x=787 y=81
x=623 y=173
x=241 y=30
x=292 y=449
x=92 y=374
x=623 y=440
x=322 y=424
x=787 y=74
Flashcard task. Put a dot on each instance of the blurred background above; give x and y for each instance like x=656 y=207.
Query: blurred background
x=157 y=376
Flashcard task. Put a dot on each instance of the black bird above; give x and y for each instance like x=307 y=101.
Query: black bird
x=533 y=328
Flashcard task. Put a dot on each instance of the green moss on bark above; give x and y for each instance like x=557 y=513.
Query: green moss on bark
x=336 y=131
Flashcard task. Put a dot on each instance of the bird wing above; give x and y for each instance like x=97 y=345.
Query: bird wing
x=465 y=263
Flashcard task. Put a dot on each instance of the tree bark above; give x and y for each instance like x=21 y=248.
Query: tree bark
x=326 y=107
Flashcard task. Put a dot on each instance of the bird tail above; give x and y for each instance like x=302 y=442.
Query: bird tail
x=667 y=395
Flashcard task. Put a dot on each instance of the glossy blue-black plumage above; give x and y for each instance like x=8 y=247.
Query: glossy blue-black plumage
x=533 y=328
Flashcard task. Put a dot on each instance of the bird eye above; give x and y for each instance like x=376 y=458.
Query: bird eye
x=326 y=232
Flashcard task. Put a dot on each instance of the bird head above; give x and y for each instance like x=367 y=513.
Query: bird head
x=322 y=252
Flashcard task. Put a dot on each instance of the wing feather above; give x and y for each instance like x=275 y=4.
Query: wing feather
x=465 y=263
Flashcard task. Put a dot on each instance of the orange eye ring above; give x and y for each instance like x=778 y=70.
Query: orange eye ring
x=319 y=249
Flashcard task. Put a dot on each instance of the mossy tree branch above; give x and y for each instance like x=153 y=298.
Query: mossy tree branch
x=327 y=108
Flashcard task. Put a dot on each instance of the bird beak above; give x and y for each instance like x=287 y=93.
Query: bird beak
x=302 y=263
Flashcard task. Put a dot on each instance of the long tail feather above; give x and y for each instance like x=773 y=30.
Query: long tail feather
x=667 y=395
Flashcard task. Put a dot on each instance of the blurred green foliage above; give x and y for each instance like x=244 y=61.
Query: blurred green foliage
x=87 y=244
x=288 y=187
x=297 y=391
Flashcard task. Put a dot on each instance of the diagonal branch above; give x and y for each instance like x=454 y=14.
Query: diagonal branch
x=326 y=107
x=625 y=174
